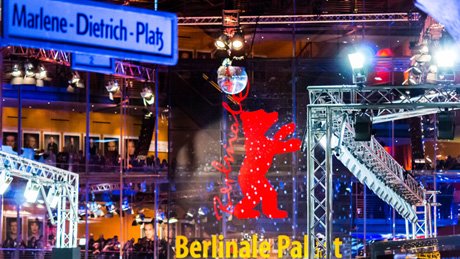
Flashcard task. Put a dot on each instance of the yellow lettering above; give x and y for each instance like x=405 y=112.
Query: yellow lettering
x=254 y=246
x=337 y=245
x=214 y=246
x=305 y=245
x=245 y=250
x=231 y=247
x=206 y=245
x=296 y=250
x=220 y=251
x=195 y=249
x=181 y=247
x=264 y=249
x=283 y=244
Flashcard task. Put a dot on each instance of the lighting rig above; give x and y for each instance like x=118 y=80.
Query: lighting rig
x=231 y=40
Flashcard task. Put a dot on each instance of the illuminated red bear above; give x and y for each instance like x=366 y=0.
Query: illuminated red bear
x=260 y=151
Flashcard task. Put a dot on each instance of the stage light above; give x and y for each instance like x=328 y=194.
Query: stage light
x=54 y=194
x=5 y=180
x=190 y=214
x=446 y=125
x=113 y=88
x=356 y=60
x=17 y=75
x=41 y=76
x=237 y=41
x=203 y=211
x=147 y=96
x=31 y=191
x=172 y=217
x=363 y=127
x=221 y=42
x=446 y=58
x=29 y=75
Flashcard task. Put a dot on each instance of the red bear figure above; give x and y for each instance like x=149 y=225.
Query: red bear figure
x=260 y=151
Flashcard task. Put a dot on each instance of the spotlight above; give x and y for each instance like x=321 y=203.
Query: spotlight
x=40 y=76
x=237 y=41
x=221 y=42
x=54 y=194
x=363 y=127
x=172 y=217
x=356 y=60
x=17 y=75
x=29 y=75
x=75 y=81
x=190 y=214
x=446 y=58
x=113 y=88
x=31 y=192
x=357 y=65
x=5 y=180
x=203 y=211
x=147 y=96
x=446 y=125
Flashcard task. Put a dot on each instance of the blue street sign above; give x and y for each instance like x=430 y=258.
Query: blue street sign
x=93 y=63
x=93 y=28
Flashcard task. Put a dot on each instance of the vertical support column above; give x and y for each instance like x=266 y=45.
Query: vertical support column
x=329 y=189
x=310 y=184
x=435 y=212
x=19 y=142
x=365 y=218
x=87 y=157
x=123 y=159
x=156 y=219
x=294 y=119
x=407 y=229
x=319 y=189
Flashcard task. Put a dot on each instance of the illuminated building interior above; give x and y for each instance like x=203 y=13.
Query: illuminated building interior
x=324 y=124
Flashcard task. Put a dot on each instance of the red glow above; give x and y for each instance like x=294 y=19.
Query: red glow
x=260 y=151
x=385 y=53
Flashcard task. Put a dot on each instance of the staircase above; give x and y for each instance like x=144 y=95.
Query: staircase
x=379 y=171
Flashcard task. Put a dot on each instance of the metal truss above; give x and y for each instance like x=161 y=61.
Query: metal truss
x=123 y=69
x=305 y=19
x=426 y=224
x=104 y=187
x=46 y=176
x=49 y=56
x=410 y=98
x=330 y=133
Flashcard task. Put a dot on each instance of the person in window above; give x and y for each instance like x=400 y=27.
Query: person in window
x=52 y=147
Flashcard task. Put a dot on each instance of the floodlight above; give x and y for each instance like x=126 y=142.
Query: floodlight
x=147 y=96
x=446 y=58
x=31 y=192
x=54 y=194
x=5 y=180
x=112 y=87
x=29 y=75
x=356 y=60
x=237 y=41
x=221 y=42
x=41 y=75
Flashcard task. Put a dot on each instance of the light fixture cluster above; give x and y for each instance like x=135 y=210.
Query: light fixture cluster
x=29 y=75
x=75 y=82
x=432 y=65
x=232 y=41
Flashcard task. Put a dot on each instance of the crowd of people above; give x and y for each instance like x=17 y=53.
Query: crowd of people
x=72 y=156
x=143 y=248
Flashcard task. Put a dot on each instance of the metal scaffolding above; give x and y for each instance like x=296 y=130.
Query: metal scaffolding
x=65 y=185
x=123 y=69
x=304 y=19
x=330 y=133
